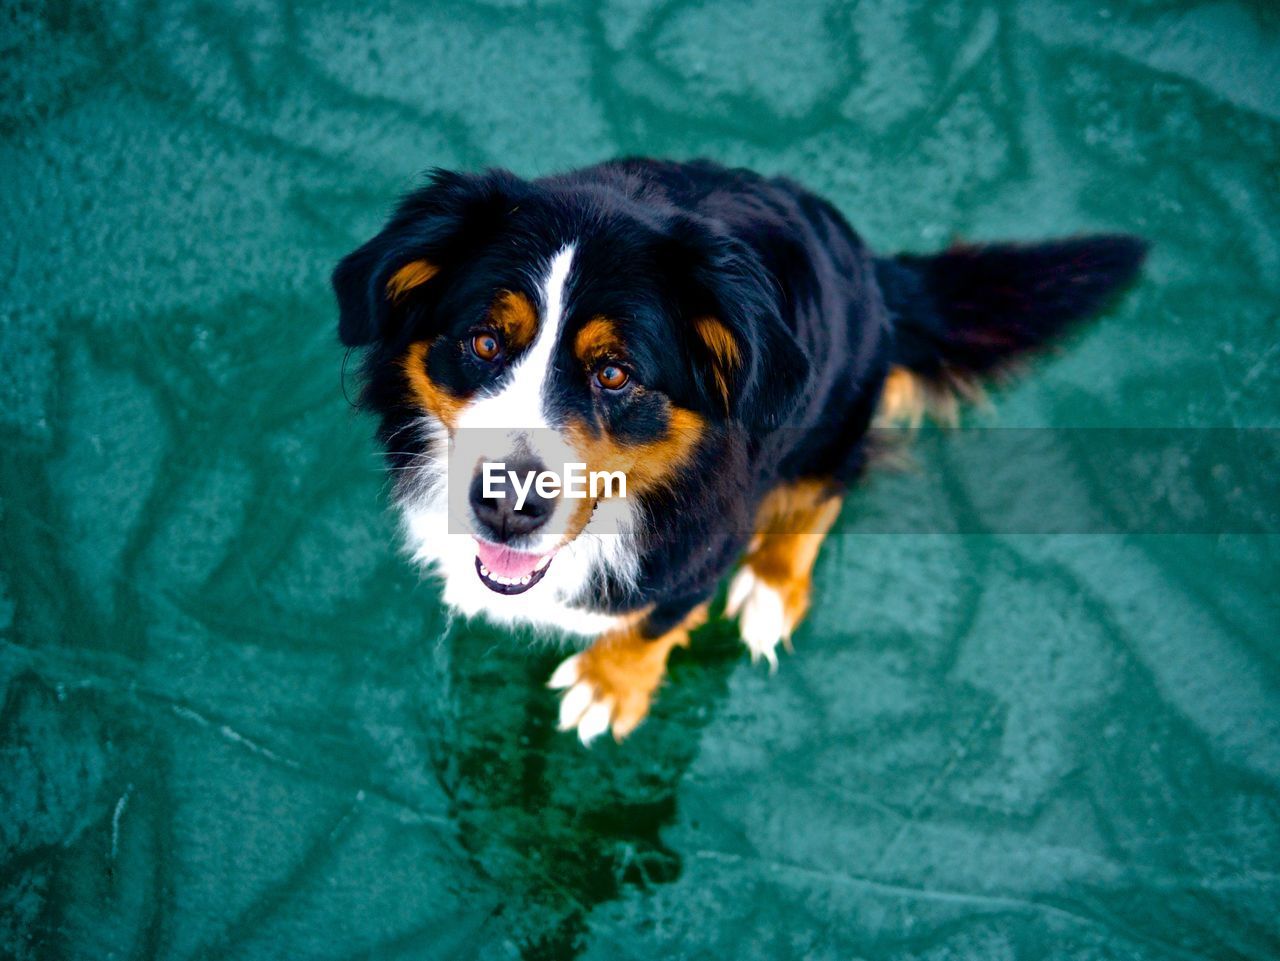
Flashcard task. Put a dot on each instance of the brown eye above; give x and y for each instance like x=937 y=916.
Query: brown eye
x=612 y=377
x=485 y=346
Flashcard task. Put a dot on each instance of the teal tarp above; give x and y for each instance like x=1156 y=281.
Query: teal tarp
x=235 y=724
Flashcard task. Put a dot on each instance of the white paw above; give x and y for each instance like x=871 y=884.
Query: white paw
x=762 y=616
x=580 y=706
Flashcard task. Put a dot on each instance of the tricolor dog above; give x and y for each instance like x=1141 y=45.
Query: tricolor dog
x=721 y=340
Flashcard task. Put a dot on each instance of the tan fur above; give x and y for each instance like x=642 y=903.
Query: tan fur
x=423 y=391
x=725 y=353
x=624 y=668
x=907 y=398
x=411 y=275
x=791 y=524
x=513 y=314
x=647 y=465
x=598 y=340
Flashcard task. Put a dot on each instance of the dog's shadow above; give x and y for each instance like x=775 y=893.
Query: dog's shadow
x=556 y=827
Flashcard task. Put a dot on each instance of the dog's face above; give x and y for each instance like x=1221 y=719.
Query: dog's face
x=538 y=326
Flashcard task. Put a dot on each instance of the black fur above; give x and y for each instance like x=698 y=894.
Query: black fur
x=974 y=308
x=447 y=223
x=817 y=317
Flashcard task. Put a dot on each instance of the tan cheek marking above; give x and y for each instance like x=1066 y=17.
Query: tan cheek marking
x=725 y=353
x=660 y=460
x=647 y=465
x=514 y=315
x=423 y=391
x=597 y=339
x=413 y=274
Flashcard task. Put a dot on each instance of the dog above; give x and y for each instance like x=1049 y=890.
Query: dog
x=722 y=340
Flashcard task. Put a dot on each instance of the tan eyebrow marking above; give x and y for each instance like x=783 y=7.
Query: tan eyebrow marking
x=597 y=339
x=514 y=315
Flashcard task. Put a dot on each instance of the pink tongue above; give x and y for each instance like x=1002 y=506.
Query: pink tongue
x=506 y=562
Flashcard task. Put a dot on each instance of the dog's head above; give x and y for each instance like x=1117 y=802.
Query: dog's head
x=539 y=325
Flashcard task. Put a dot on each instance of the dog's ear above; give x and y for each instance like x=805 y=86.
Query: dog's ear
x=432 y=230
x=746 y=363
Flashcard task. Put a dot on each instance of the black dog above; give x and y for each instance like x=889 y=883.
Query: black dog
x=720 y=340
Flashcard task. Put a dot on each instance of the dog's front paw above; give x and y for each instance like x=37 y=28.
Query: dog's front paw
x=767 y=613
x=608 y=686
x=611 y=683
x=583 y=705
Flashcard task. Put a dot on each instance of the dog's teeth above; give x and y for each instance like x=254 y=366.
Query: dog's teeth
x=525 y=579
x=484 y=570
x=504 y=580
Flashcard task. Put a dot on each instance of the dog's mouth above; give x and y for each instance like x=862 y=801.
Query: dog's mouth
x=505 y=571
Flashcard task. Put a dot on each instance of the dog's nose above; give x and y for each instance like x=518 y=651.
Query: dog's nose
x=499 y=516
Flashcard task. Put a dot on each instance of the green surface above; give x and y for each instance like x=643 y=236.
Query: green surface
x=235 y=724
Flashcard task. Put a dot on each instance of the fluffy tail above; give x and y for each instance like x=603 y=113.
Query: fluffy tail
x=967 y=313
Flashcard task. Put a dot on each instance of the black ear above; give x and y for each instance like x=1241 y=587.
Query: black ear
x=746 y=362
x=432 y=230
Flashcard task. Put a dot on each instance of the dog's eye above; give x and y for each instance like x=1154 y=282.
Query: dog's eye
x=612 y=377
x=486 y=346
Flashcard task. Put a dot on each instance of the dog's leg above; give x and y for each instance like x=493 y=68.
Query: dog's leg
x=770 y=594
x=611 y=683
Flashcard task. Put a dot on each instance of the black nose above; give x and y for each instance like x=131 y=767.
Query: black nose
x=499 y=517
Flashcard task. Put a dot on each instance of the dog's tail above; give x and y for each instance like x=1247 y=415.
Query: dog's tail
x=968 y=313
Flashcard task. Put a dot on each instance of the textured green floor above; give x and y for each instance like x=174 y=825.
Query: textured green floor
x=236 y=725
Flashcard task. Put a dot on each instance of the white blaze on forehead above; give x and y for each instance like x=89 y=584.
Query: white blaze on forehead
x=518 y=404
x=512 y=422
